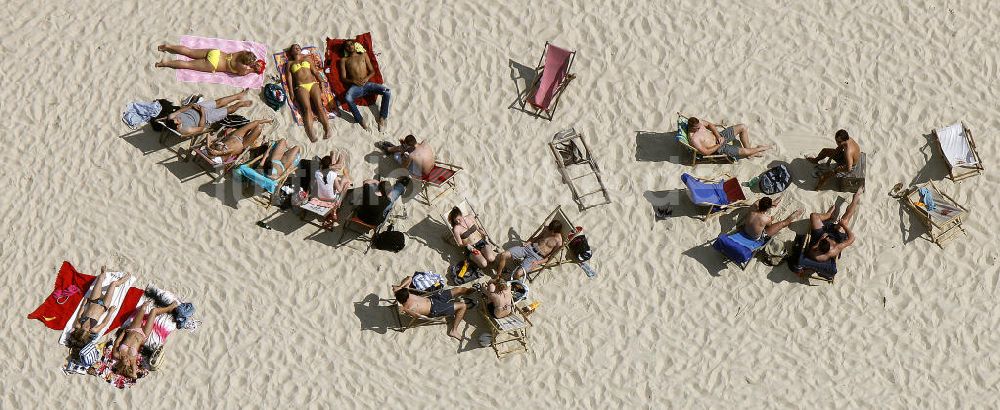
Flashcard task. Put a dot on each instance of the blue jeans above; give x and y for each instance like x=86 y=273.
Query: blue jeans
x=394 y=194
x=358 y=91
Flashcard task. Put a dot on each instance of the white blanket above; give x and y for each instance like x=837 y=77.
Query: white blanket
x=955 y=146
x=117 y=300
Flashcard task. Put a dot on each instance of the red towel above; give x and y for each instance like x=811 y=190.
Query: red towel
x=334 y=47
x=55 y=315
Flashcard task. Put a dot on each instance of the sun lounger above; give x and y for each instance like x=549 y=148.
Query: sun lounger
x=813 y=269
x=509 y=334
x=959 y=150
x=334 y=46
x=193 y=140
x=312 y=54
x=944 y=222
x=466 y=207
x=739 y=247
x=720 y=195
x=569 y=149
x=405 y=320
x=116 y=300
x=552 y=75
x=696 y=156
x=558 y=256
x=440 y=178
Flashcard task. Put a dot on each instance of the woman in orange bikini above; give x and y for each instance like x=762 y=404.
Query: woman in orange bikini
x=304 y=83
x=210 y=61
x=127 y=345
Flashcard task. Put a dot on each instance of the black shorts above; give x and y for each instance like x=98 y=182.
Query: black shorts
x=830 y=229
x=441 y=304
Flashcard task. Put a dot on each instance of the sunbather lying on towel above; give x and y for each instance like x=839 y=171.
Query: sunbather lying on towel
x=534 y=252
x=307 y=90
x=845 y=155
x=378 y=198
x=438 y=304
x=759 y=223
x=355 y=71
x=418 y=158
x=330 y=183
x=87 y=327
x=708 y=140
x=235 y=141
x=126 y=346
x=211 y=60
x=469 y=235
x=829 y=238
x=194 y=118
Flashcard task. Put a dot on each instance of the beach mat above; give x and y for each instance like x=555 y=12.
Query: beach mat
x=280 y=63
x=120 y=299
x=252 y=80
x=333 y=55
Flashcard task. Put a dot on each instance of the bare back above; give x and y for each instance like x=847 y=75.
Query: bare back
x=756 y=223
x=423 y=155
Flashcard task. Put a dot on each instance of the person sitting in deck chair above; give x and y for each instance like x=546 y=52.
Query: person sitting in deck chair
x=828 y=238
x=707 y=139
x=846 y=155
x=535 y=251
x=355 y=71
x=330 y=183
x=469 y=235
x=759 y=224
x=438 y=304
x=235 y=141
x=278 y=158
x=194 y=118
x=417 y=158
x=498 y=296
x=378 y=198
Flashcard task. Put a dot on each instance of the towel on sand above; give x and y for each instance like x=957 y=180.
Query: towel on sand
x=334 y=48
x=281 y=64
x=252 y=80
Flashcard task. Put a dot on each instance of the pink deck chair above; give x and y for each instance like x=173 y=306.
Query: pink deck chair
x=552 y=76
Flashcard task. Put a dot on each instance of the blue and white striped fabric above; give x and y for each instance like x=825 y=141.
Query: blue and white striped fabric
x=426 y=280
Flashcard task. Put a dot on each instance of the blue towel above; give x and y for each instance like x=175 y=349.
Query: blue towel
x=262 y=181
x=928 y=198
x=705 y=194
x=138 y=113
x=738 y=247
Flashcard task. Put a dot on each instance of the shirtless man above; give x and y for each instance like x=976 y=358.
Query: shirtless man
x=194 y=118
x=438 y=304
x=828 y=238
x=355 y=71
x=708 y=140
x=236 y=141
x=534 y=252
x=846 y=155
x=759 y=223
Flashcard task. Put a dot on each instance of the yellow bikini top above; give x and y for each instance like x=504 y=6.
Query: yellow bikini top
x=297 y=66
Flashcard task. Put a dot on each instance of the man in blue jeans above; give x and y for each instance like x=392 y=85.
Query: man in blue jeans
x=377 y=199
x=355 y=71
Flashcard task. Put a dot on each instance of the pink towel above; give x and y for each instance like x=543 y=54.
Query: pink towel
x=556 y=65
x=252 y=80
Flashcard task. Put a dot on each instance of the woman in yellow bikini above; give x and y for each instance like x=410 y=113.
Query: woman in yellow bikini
x=304 y=84
x=210 y=61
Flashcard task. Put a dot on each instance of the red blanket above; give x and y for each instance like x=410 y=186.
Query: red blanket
x=63 y=301
x=334 y=49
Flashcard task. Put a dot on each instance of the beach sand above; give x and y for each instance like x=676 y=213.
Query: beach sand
x=289 y=320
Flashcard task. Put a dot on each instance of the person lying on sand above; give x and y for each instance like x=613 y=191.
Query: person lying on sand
x=846 y=154
x=87 y=327
x=535 y=251
x=211 y=60
x=235 y=141
x=470 y=236
x=127 y=345
x=305 y=88
x=759 y=223
x=194 y=118
x=707 y=139
x=829 y=238
x=417 y=158
x=355 y=71
x=439 y=304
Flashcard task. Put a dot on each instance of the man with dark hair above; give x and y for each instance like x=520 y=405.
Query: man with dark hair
x=830 y=237
x=759 y=223
x=846 y=155
x=417 y=158
x=535 y=251
x=355 y=71
x=707 y=139
x=437 y=304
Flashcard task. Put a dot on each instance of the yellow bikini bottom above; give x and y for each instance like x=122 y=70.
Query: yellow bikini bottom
x=307 y=86
x=213 y=57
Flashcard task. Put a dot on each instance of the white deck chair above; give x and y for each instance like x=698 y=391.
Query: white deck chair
x=959 y=150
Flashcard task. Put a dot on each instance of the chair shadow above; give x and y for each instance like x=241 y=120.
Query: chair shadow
x=782 y=273
x=228 y=191
x=675 y=200
x=802 y=173
x=935 y=165
x=653 y=146
x=374 y=316
x=284 y=221
x=917 y=228
x=145 y=139
x=513 y=239
x=430 y=233
x=711 y=259
x=384 y=166
x=520 y=71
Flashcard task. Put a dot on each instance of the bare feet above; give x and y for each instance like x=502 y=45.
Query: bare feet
x=244 y=103
x=267 y=121
x=327 y=135
x=455 y=334
x=243 y=94
x=124 y=278
x=857 y=195
x=380 y=122
x=363 y=125
x=161 y=48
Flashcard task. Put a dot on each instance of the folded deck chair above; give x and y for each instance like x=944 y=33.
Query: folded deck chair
x=558 y=256
x=959 y=150
x=739 y=247
x=440 y=178
x=117 y=299
x=406 y=321
x=334 y=47
x=812 y=269
x=719 y=197
x=944 y=222
x=217 y=167
x=697 y=156
x=312 y=54
x=508 y=334
x=467 y=209
x=570 y=149
x=552 y=75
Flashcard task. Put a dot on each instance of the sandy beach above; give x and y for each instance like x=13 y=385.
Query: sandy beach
x=291 y=320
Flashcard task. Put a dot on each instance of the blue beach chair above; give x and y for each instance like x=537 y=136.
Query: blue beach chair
x=719 y=195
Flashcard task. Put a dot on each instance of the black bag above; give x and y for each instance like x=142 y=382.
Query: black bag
x=472 y=272
x=274 y=96
x=581 y=248
x=234 y=121
x=389 y=240
x=775 y=180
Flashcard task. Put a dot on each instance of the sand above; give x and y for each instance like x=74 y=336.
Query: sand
x=289 y=319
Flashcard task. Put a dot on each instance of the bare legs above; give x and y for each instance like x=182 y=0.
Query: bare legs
x=316 y=98
x=460 y=308
x=484 y=257
x=851 y=209
x=197 y=56
x=285 y=155
x=773 y=228
x=748 y=150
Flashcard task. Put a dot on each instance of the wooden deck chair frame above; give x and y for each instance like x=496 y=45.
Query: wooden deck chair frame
x=940 y=233
x=449 y=238
x=517 y=337
x=218 y=171
x=717 y=210
x=443 y=187
x=964 y=172
x=559 y=256
x=539 y=69
x=193 y=140
x=311 y=218
x=266 y=198
x=367 y=235
x=809 y=273
x=697 y=156
x=570 y=136
x=412 y=321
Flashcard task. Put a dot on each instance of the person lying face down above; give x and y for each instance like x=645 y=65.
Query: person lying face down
x=211 y=60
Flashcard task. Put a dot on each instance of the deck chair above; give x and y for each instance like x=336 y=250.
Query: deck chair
x=812 y=269
x=467 y=209
x=365 y=231
x=218 y=167
x=719 y=197
x=440 y=178
x=559 y=256
x=738 y=247
x=552 y=75
x=850 y=181
x=193 y=140
x=959 y=150
x=697 y=156
x=569 y=148
x=944 y=223
x=509 y=334
x=406 y=321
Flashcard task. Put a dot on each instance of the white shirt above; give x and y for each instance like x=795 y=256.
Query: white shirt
x=324 y=190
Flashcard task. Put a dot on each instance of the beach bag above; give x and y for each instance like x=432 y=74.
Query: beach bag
x=389 y=240
x=274 y=96
x=775 y=180
x=580 y=248
x=458 y=277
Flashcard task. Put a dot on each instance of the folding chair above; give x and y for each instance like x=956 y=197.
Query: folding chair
x=218 y=167
x=558 y=256
x=411 y=321
x=719 y=197
x=365 y=231
x=193 y=139
x=569 y=148
x=551 y=78
x=944 y=222
x=442 y=178
x=959 y=149
x=813 y=269
x=466 y=207
x=738 y=247
x=697 y=156
x=507 y=331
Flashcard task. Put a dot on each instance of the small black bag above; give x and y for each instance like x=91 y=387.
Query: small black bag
x=389 y=240
x=581 y=248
